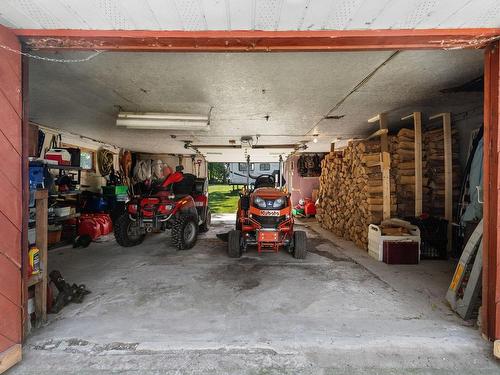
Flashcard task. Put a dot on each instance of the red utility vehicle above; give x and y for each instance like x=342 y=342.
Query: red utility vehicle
x=179 y=203
x=264 y=218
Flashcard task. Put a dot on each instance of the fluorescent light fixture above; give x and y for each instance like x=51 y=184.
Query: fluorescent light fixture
x=162 y=121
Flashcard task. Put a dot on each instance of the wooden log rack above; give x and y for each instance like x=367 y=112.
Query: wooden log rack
x=448 y=166
x=385 y=162
x=417 y=127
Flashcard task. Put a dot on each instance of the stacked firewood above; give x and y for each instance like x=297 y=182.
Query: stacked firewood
x=403 y=167
x=351 y=193
x=434 y=176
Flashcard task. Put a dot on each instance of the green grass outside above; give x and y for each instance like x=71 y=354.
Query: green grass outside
x=222 y=199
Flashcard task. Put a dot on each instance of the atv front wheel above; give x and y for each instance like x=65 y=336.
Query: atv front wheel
x=299 y=244
x=205 y=226
x=234 y=244
x=127 y=231
x=184 y=232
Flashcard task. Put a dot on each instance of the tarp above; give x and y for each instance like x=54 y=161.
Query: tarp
x=474 y=210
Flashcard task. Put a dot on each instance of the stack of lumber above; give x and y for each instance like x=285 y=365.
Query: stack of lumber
x=350 y=196
x=434 y=176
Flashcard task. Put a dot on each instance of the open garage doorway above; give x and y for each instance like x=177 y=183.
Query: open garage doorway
x=300 y=314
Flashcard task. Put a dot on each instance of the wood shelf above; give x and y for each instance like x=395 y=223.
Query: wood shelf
x=58 y=219
x=34 y=279
x=72 y=192
x=64 y=167
x=39 y=281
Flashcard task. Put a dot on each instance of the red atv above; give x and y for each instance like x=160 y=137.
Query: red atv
x=179 y=203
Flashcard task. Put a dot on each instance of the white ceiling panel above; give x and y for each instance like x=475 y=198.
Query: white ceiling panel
x=115 y=14
x=91 y=16
x=267 y=14
x=242 y=14
x=249 y=14
x=191 y=14
x=140 y=14
x=166 y=15
x=63 y=15
x=436 y=17
x=216 y=14
x=366 y=15
x=341 y=13
x=408 y=17
x=15 y=15
x=292 y=14
x=472 y=15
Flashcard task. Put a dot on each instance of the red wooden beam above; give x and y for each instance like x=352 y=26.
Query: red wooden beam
x=245 y=41
x=491 y=231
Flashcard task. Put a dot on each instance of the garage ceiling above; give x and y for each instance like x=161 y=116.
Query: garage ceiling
x=278 y=98
x=249 y=14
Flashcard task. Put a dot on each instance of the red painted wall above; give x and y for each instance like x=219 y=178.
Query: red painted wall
x=491 y=230
x=10 y=192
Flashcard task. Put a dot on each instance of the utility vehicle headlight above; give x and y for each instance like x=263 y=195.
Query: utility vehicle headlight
x=259 y=202
x=279 y=203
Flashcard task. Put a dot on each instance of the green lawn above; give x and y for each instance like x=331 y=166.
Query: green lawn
x=222 y=199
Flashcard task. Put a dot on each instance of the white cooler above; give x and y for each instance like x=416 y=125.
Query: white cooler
x=376 y=239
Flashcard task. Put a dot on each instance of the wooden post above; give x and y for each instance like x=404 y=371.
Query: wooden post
x=41 y=199
x=385 y=163
x=417 y=127
x=10 y=357
x=448 y=169
x=491 y=215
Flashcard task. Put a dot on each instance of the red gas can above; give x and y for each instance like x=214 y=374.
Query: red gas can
x=309 y=208
x=105 y=223
x=89 y=226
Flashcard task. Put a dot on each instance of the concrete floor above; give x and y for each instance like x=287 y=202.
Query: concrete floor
x=154 y=310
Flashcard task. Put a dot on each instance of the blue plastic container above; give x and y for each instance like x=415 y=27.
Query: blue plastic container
x=36 y=177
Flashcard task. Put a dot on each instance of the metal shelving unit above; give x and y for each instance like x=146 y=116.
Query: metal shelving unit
x=54 y=220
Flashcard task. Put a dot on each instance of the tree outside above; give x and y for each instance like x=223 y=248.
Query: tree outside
x=217 y=173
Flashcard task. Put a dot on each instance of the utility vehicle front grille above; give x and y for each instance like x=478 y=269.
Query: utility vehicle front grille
x=269 y=221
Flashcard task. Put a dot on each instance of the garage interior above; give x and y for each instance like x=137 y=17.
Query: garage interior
x=338 y=309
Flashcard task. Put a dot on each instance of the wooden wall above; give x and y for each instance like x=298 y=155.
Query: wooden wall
x=491 y=231
x=10 y=193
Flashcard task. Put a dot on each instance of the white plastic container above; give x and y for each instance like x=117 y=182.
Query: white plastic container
x=62 y=211
x=376 y=239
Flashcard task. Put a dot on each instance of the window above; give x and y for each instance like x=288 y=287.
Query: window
x=87 y=160
x=242 y=167
x=265 y=167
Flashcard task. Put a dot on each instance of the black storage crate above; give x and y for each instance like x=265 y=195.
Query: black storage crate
x=433 y=237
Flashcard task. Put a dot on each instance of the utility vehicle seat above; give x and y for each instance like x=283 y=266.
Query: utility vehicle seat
x=186 y=186
x=265 y=180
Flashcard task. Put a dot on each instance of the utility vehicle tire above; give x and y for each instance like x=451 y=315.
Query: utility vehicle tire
x=123 y=235
x=238 y=223
x=299 y=244
x=184 y=232
x=234 y=244
x=205 y=226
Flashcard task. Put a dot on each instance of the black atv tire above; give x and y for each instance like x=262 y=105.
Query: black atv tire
x=180 y=237
x=238 y=223
x=121 y=229
x=299 y=244
x=234 y=244
x=205 y=226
